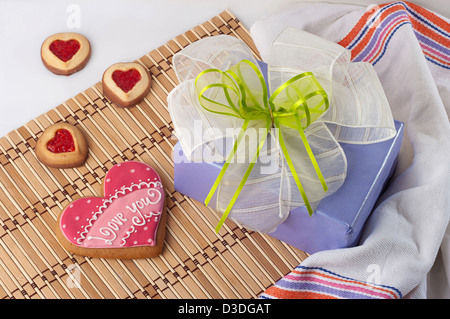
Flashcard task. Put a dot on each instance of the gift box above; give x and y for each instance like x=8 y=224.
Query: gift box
x=330 y=135
x=338 y=220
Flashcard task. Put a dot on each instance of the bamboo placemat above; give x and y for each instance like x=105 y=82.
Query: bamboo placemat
x=195 y=263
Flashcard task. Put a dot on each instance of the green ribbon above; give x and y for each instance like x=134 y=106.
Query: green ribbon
x=295 y=104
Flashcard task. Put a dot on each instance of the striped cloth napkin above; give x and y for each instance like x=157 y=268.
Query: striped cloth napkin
x=404 y=251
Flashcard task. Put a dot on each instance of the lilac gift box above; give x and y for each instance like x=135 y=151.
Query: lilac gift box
x=338 y=220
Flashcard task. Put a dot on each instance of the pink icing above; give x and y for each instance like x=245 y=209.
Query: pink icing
x=128 y=215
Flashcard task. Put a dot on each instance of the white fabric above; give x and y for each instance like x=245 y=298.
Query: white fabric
x=358 y=113
x=403 y=235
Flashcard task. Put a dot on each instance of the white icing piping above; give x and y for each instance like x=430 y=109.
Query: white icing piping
x=106 y=202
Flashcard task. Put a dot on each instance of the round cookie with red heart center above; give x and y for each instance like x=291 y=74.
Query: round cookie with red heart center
x=62 y=145
x=65 y=53
x=126 y=84
x=128 y=222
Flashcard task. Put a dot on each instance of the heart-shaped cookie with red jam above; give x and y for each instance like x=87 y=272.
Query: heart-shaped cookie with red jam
x=62 y=145
x=126 y=84
x=65 y=53
x=127 y=223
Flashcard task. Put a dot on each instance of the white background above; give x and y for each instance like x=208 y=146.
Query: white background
x=119 y=31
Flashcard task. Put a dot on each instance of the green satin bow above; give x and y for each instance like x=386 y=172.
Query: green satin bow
x=295 y=104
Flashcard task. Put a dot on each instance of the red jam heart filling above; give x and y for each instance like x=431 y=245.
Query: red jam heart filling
x=62 y=142
x=126 y=80
x=64 y=50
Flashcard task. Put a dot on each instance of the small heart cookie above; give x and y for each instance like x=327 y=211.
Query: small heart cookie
x=127 y=223
x=126 y=84
x=62 y=145
x=65 y=53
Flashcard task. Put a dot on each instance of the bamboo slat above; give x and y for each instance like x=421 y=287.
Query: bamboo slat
x=195 y=263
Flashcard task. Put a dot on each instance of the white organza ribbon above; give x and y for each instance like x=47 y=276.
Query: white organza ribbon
x=358 y=113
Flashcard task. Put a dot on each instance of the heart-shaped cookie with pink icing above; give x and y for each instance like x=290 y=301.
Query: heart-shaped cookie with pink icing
x=127 y=223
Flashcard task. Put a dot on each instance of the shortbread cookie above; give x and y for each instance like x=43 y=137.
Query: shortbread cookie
x=62 y=145
x=126 y=84
x=65 y=53
x=127 y=223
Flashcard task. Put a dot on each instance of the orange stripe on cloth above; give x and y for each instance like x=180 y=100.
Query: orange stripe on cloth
x=433 y=56
x=276 y=292
x=438 y=21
